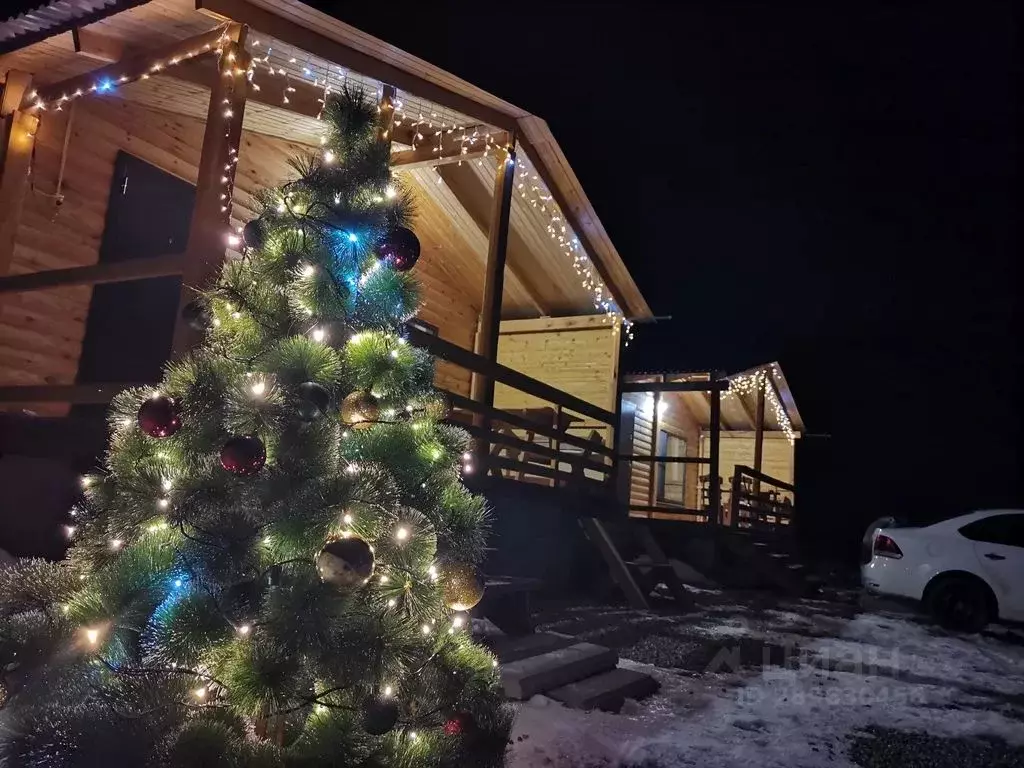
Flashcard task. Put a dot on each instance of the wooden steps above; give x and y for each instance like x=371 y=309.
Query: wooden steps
x=578 y=674
x=606 y=691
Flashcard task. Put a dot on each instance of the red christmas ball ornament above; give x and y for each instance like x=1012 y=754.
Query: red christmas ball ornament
x=459 y=724
x=400 y=249
x=244 y=455
x=159 y=416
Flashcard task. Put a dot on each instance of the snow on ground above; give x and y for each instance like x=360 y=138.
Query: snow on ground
x=794 y=710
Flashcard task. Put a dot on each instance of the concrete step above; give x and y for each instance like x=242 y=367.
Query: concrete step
x=606 y=691
x=537 y=674
x=509 y=649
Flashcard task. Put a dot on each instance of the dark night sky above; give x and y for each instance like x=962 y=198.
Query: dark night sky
x=835 y=189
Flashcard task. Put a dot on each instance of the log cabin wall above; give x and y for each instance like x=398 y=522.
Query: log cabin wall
x=41 y=332
x=578 y=355
x=777 y=456
x=674 y=418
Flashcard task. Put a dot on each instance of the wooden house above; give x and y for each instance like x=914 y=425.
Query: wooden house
x=134 y=136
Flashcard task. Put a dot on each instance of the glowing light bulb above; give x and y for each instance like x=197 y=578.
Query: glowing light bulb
x=328 y=156
x=467 y=456
x=258 y=388
x=390 y=193
x=92 y=635
x=402 y=534
x=309 y=270
x=200 y=693
x=425 y=629
x=234 y=239
x=458 y=621
x=388 y=690
x=178 y=583
x=116 y=543
x=347 y=519
x=318 y=334
x=392 y=603
x=353 y=237
x=244 y=630
x=167 y=484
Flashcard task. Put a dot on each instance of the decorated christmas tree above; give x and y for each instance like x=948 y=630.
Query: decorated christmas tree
x=273 y=564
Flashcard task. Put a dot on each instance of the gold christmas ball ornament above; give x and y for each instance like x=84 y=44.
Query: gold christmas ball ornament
x=460 y=586
x=360 y=409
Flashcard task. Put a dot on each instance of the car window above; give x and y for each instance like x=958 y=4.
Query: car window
x=998 y=529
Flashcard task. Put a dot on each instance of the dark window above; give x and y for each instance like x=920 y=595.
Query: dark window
x=671 y=476
x=998 y=529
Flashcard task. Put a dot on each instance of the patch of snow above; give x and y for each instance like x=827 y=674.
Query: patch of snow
x=892 y=671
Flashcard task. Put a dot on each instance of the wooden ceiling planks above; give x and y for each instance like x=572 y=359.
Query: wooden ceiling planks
x=554 y=287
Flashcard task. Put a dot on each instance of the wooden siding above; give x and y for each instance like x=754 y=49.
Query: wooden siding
x=578 y=355
x=41 y=332
x=777 y=457
x=676 y=419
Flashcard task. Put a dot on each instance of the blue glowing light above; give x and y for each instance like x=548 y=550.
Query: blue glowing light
x=105 y=85
x=178 y=582
x=353 y=237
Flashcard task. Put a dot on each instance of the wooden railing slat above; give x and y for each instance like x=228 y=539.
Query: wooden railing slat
x=95 y=274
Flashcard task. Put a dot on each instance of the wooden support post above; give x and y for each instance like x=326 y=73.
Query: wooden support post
x=211 y=213
x=621 y=439
x=494 y=283
x=652 y=476
x=17 y=137
x=714 y=482
x=759 y=433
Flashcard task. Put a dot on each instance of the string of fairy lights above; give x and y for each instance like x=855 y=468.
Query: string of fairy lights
x=760 y=381
x=429 y=124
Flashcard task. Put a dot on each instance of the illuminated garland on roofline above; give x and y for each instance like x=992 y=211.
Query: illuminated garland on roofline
x=758 y=381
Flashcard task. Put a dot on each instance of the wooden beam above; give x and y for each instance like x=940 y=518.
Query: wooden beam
x=139 y=66
x=307 y=100
x=78 y=394
x=208 y=235
x=452 y=148
x=759 y=429
x=482 y=386
x=473 y=196
x=675 y=386
x=17 y=140
x=294 y=34
x=109 y=272
x=94 y=45
x=714 y=484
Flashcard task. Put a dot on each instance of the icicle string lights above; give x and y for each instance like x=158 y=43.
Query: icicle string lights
x=751 y=383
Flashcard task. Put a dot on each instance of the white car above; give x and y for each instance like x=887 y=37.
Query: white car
x=965 y=571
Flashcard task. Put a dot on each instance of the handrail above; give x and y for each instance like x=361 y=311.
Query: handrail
x=495 y=414
x=75 y=394
x=663 y=459
x=764 y=478
x=505 y=375
x=95 y=274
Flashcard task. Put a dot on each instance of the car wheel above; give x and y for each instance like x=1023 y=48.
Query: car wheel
x=960 y=603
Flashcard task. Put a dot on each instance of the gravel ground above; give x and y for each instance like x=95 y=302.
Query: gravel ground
x=880 y=747
x=748 y=679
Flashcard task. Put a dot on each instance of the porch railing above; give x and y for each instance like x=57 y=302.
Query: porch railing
x=759 y=502
x=538 y=444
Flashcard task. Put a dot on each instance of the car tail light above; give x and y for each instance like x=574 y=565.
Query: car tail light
x=886 y=547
